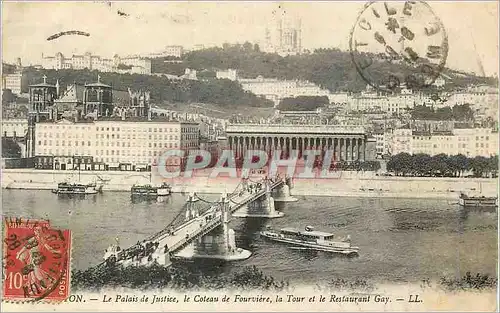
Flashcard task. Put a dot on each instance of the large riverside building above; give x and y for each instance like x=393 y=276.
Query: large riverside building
x=101 y=135
x=349 y=143
x=113 y=142
x=470 y=142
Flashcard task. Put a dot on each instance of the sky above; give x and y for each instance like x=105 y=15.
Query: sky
x=472 y=27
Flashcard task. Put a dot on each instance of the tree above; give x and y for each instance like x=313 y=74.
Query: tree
x=400 y=164
x=328 y=68
x=442 y=165
x=462 y=112
x=303 y=103
x=223 y=92
x=480 y=166
x=247 y=47
x=493 y=165
x=10 y=148
x=8 y=96
x=458 y=164
x=422 y=112
x=420 y=164
x=439 y=164
x=443 y=114
x=122 y=66
x=206 y=75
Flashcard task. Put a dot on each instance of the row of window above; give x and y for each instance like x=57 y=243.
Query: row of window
x=170 y=161
x=155 y=137
x=487 y=138
x=450 y=138
x=449 y=146
x=125 y=129
x=112 y=144
x=127 y=153
x=117 y=136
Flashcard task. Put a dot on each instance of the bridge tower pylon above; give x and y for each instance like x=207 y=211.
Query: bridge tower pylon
x=282 y=194
x=220 y=243
x=191 y=209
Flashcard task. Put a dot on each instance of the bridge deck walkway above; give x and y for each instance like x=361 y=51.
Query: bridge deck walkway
x=199 y=226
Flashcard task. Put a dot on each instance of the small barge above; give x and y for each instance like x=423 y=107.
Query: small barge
x=76 y=189
x=477 y=201
x=151 y=191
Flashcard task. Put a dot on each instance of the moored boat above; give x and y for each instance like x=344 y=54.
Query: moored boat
x=66 y=188
x=150 y=190
x=75 y=189
x=312 y=240
x=477 y=201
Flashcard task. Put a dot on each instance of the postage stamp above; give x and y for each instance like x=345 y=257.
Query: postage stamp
x=36 y=261
x=395 y=43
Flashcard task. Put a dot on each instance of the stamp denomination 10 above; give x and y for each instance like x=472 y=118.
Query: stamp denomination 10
x=36 y=261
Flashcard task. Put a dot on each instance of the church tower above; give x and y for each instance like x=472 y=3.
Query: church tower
x=98 y=99
x=41 y=108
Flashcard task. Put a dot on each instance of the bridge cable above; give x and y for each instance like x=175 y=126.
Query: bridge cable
x=204 y=200
x=181 y=211
x=169 y=225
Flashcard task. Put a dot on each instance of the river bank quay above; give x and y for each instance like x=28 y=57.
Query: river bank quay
x=346 y=184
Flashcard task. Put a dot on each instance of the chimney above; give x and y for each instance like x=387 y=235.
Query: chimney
x=57 y=88
x=149 y=115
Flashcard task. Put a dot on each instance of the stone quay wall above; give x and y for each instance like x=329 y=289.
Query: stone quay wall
x=344 y=184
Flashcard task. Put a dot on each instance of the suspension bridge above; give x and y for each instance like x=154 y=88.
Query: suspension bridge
x=197 y=226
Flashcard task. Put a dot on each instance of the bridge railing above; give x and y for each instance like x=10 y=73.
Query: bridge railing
x=203 y=230
x=214 y=223
x=210 y=225
x=255 y=196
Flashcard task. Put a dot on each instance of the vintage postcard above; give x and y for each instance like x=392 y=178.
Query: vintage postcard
x=249 y=156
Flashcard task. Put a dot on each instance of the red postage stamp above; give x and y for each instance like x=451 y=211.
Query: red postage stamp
x=36 y=261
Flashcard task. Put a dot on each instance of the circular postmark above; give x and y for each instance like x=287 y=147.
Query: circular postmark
x=393 y=43
x=36 y=264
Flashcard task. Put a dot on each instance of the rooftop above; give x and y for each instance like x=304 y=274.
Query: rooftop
x=295 y=128
x=154 y=119
x=98 y=84
x=119 y=119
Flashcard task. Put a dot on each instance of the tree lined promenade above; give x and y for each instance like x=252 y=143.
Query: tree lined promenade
x=442 y=165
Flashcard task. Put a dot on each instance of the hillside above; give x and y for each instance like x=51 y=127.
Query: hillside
x=329 y=68
x=225 y=93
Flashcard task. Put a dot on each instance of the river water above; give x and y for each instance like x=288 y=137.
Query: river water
x=399 y=239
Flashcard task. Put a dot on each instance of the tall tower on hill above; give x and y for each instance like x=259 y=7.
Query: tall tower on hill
x=288 y=33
